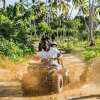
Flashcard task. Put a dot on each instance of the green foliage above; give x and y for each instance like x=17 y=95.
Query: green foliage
x=3 y=12
x=89 y=54
x=14 y=40
x=70 y=24
x=97 y=33
x=42 y=27
x=54 y=24
x=84 y=35
x=16 y=9
x=69 y=48
x=10 y=49
x=61 y=30
x=9 y=10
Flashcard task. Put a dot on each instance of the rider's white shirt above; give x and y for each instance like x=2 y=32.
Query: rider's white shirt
x=52 y=53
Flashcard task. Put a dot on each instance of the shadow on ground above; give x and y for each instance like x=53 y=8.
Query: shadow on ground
x=12 y=90
x=87 y=97
x=16 y=91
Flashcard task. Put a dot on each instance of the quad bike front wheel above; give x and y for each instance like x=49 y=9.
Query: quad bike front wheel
x=57 y=83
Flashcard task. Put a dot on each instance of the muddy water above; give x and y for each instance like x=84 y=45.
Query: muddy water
x=83 y=84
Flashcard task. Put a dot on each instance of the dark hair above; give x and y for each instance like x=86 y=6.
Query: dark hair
x=44 y=43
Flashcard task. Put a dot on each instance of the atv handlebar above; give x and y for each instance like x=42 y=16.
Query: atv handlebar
x=57 y=58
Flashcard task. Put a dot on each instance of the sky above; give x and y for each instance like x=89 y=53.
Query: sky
x=12 y=2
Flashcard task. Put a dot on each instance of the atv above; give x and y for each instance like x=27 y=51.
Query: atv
x=44 y=76
x=40 y=46
x=41 y=43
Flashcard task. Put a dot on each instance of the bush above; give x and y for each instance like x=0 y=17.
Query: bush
x=10 y=49
x=89 y=54
x=14 y=40
x=97 y=32
x=69 y=48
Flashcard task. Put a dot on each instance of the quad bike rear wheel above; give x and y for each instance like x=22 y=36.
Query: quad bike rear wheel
x=57 y=83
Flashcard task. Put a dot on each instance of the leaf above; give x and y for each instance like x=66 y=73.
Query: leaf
x=21 y=1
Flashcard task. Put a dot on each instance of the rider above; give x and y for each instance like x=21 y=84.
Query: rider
x=53 y=37
x=54 y=45
x=43 y=38
x=49 y=52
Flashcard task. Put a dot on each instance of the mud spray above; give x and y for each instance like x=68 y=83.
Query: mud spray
x=79 y=74
x=12 y=71
x=94 y=71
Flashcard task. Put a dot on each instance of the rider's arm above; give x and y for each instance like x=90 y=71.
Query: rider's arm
x=59 y=56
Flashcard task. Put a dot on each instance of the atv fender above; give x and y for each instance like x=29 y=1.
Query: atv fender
x=58 y=70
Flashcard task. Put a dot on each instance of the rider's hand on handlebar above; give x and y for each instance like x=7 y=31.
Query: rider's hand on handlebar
x=57 y=58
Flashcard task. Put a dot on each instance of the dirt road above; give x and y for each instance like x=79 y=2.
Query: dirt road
x=81 y=86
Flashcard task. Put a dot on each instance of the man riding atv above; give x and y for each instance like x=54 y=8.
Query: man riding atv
x=51 y=75
x=49 y=52
x=43 y=39
x=52 y=53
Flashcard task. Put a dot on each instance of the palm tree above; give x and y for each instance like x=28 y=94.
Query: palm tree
x=38 y=8
x=97 y=9
x=51 y=10
x=64 y=6
x=39 y=12
x=83 y=7
x=75 y=4
x=23 y=4
x=4 y=4
x=60 y=5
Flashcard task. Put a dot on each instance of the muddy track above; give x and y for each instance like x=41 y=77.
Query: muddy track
x=79 y=87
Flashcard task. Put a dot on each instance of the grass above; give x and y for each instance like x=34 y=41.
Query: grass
x=17 y=86
x=35 y=39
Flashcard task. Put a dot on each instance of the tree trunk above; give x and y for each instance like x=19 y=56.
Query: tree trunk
x=49 y=16
x=74 y=36
x=57 y=34
x=63 y=38
x=4 y=4
x=68 y=38
x=90 y=21
x=45 y=9
x=52 y=12
x=94 y=41
x=34 y=26
x=87 y=39
x=63 y=27
x=57 y=22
